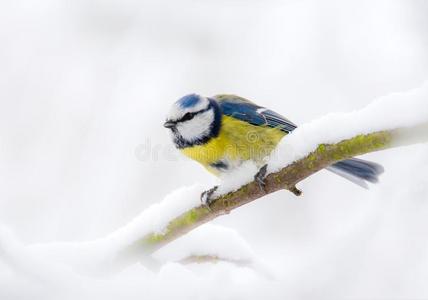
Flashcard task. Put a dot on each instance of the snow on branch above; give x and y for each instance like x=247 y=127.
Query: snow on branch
x=390 y=121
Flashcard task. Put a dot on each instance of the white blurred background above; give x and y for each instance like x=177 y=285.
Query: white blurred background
x=85 y=87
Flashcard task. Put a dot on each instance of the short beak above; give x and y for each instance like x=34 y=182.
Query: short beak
x=169 y=124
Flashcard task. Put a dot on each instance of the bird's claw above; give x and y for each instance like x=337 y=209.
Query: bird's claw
x=206 y=197
x=260 y=178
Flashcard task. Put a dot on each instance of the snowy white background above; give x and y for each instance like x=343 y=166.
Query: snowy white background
x=85 y=86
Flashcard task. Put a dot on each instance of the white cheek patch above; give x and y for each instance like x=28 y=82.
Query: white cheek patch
x=198 y=127
x=177 y=111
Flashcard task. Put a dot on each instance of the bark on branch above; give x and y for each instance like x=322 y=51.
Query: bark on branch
x=286 y=178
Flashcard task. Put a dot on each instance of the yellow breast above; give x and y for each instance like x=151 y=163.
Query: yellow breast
x=238 y=141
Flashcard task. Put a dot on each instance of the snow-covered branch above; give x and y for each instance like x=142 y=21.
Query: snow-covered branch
x=391 y=121
x=396 y=120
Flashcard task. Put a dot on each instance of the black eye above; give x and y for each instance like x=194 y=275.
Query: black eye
x=187 y=117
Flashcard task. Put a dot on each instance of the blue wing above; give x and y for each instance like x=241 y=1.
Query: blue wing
x=356 y=170
x=245 y=110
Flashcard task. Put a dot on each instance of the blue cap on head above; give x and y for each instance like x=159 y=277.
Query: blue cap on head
x=189 y=100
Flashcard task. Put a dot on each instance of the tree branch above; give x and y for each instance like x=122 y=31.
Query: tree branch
x=286 y=178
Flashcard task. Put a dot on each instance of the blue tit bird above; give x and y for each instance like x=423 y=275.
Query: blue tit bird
x=223 y=131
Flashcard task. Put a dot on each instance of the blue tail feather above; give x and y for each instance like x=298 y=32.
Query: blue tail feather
x=358 y=171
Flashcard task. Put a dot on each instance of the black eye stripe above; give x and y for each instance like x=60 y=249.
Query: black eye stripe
x=190 y=115
x=187 y=117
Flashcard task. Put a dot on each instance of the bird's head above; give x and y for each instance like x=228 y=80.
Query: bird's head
x=193 y=120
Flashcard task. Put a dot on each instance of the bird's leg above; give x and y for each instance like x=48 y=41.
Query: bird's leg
x=206 y=197
x=260 y=178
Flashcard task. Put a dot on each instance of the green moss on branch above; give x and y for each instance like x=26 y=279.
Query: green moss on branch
x=286 y=178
